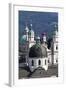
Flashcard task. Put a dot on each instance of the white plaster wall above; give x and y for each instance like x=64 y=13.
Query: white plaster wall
x=32 y=38
x=43 y=63
x=50 y=59
x=55 y=58
x=49 y=56
x=55 y=44
x=55 y=38
x=36 y=60
x=31 y=44
x=44 y=38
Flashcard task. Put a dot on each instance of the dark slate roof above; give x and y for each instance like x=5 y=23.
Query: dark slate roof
x=38 y=51
x=38 y=72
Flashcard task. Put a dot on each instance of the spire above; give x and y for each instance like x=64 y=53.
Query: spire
x=26 y=28
x=26 y=31
x=31 y=25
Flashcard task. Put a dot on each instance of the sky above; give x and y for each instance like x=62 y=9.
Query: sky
x=41 y=21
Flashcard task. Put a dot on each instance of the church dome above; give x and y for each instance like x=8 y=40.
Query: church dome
x=37 y=51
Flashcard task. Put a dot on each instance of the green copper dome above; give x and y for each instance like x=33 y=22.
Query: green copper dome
x=23 y=39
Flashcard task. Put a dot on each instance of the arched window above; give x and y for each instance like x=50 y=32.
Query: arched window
x=39 y=62
x=48 y=61
x=56 y=60
x=32 y=63
x=45 y=62
x=56 y=47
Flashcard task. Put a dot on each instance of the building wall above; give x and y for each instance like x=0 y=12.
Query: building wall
x=55 y=46
x=31 y=44
x=49 y=59
x=55 y=49
x=44 y=64
x=49 y=56
x=56 y=58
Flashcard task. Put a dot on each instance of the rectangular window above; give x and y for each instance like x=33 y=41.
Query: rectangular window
x=56 y=48
x=48 y=61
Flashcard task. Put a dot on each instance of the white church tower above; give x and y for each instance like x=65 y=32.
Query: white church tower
x=26 y=32
x=31 y=37
x=55 y=47
x=31 y=34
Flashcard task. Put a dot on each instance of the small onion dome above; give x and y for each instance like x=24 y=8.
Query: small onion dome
x=26 y=28
x=23 y=39
x=37 y=38
x=38 y=51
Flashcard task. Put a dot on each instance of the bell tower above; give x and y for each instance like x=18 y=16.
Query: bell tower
x=55 y=46
x=31 y=36
x=31 y=33
x=26 y=32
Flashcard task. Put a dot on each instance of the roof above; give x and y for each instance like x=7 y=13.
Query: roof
x=38 y=51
